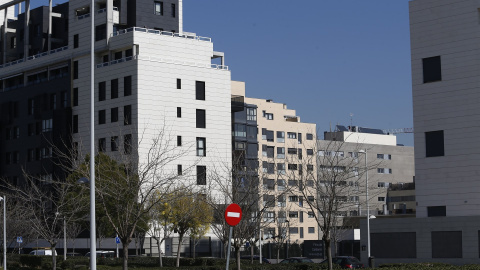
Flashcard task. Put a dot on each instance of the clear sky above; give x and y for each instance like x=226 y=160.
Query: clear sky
x=326 y=59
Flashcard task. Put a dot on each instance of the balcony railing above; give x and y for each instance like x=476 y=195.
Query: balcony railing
x=162 y=33
x=111 y=63
x=33 y=57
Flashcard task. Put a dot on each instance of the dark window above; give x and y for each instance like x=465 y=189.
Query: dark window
x=118 y=55
x=179 y=140
x=436 y=211
x=174 y=11
x=127 y=144
x=114 y=143
x=432 y=69
x=105 y=58
x=394 y=245
x=75 y=124
x=102 y=145
x=200 y=90
x=75 y=70
x=127 y=115
x=179 y=169
x=309 y=152
x=31 y=129
x=31 y=155
x=75 y=41
x=100 y=32
x=114 y=89
x=127 y=86
x=31 y=106
x=158 y=8
x=179 y=112
x=64 y=99
x=114 y=114
x=13 y=42
x=129 y=53
x=8 y=158
x=201 y=122
x=102 y=91
x=101 y=117
x=201 y=147
x=434 y=144
x=179 y=83
x=53 y=101
x=201 y=175
x=447 y=244
x=309 y=136
x=301 y=232
x=292 y=167
x=75 y=96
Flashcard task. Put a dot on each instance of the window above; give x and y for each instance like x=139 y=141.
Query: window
x=127 y=86
x=46 y=152
x=311 y=215
x=201 y=122
x=291 y=135
x=114 y=115
x=293 y=198
x=102 y=91
x=127 y=115
x=281 y=168
x=380 y=170
x=383 y=184
x=118 y=55
x=269 y=184
x=179 y=83
x=31 y=106
x=114 y=89
x=75 y=124
x=75 y=96
x=280 y=136
x=269 y=116
x=311 y=229
x=432 y=69
x=31 y=155
x=310 y=183
x=31 y=129
x=434 y=144
x=201 y=147
x=16 y=132
x=310 y=152
x=127 y=144
x=75 y=41
x=179 y=169
x=251 y=114
x=280 y=184
x=179 y=112
x=100 y=32
x=75 y=70
x=309 y=136
x=200 y=90
x=309 y=167
x=299 y=138
x=174 y=11
x=179 y=140
x=292 y=151
x=268 y=167
x=13 y=42
x=293 y=214
x=381 y=199
x=201 y=175
x=102 y=145
x=53 y=101
x=280 y=152
x=16 y=157
x=47 y=125
x=292 y=167
x=101 y=117
x=436 y=211
x=269 y=217
x=114 y=143
x=239 y=130
x=158 y=8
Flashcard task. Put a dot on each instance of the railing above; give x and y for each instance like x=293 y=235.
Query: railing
x=111 y=63
x=103 y=10
x=33 y=57
x=162 y=33
x=83 y=16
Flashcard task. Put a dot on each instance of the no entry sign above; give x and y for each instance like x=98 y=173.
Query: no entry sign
x=233 y=214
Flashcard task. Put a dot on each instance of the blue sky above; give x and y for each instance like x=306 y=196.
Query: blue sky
x=324 y=58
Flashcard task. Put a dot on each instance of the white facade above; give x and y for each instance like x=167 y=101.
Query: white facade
x=449 y=30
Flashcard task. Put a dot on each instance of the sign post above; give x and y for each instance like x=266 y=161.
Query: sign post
x=233 y=215
x=117 y=241
x=19 y=241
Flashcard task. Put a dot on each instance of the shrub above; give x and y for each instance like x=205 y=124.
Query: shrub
x=30 y=261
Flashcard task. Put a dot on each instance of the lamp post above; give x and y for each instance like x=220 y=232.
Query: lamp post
x=4 y=232
x=288 y=231
x=368 y=209
x=93 y=236
x=64 y=237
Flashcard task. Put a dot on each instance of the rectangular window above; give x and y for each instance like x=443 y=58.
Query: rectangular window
x=179 y=83
x=101 y=117
x=201 y=175
x=179 y=169
x=280 y=152
x=31 y=129
x=30 y=155
x=310 y=152
x=251 y=114
x=53 y=101
x=64 y=99
x=281 y=168
x=127 y=115
x=158 y=8
x=47 y=125
x=269 y=116
x=299 y=138
x=114 y=115
x=201 y=121
x=179 y=112
x=127 y=86
x=174 y=11
x=292 y=151
x=31 y=106
x=447 y=244
x=280 y=136
x=75 y=70
x=179 y=140
x=381 y=199
x=292 y=167
x=127 y=144
x=436 y=211
x=102 y=91
x=311 y=215
x=200 y=90
x=311 y=229
x=102 y=145
x=432 y=69
x=114 y=88
x=100 y=32
x=114 y=143
x=201 y=147
x=75 y=41
x=75 y=124
x=75 y=96
x=291 y=135
x=301 y=232
x=293 y=214
x=434 y=144
x=309 y=136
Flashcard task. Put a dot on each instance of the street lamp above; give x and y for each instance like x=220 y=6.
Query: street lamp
x=93 y=236
x=368 y=209
x=4 y=232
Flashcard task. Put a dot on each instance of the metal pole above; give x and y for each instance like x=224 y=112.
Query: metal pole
x=117 y=244
x=260 y=241
x=229 y=246
x=93 y=236
x=64 y=239
x=368 y=209
x=4 y=233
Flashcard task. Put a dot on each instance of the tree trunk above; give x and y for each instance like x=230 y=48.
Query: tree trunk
x=54 y=258
x=159 y=253
x=237 y=256
x=251 y=253
x=193 y=241
x=125 y=256
x=328 y=248
x=180 y=240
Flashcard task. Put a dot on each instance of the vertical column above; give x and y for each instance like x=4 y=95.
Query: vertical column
x=109 y=19
x=180 y=17
x=4 y=35
x=49 y=36
x=26 y=41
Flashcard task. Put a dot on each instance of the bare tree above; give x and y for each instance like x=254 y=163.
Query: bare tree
x=73 y=230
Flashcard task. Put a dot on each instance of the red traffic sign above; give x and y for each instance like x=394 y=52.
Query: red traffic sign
x=233 y=214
